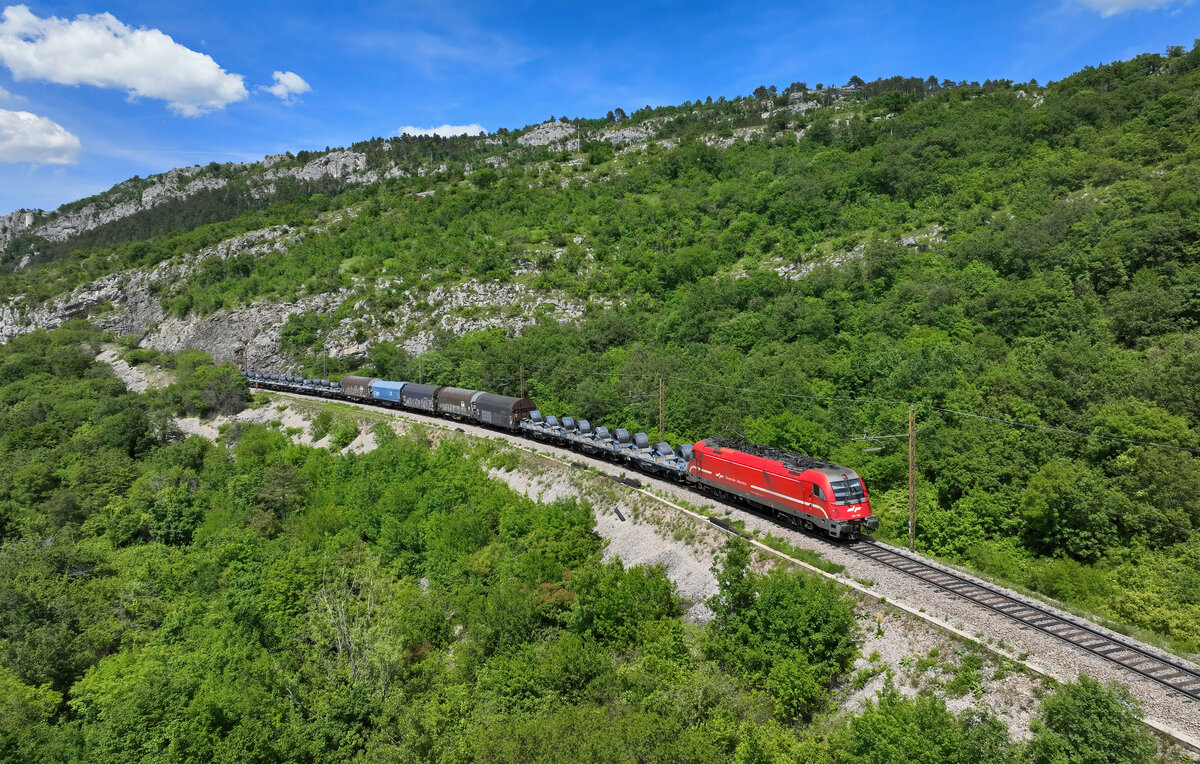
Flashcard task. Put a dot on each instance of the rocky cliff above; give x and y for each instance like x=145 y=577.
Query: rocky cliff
x=130 y=302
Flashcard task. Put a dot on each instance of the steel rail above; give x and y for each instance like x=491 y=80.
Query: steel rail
x=1159 y=668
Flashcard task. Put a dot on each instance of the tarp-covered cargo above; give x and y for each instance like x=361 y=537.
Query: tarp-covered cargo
x=419 y=397
x=382 y=390
x=502 y=410
x=456 y=401
x=357 y=387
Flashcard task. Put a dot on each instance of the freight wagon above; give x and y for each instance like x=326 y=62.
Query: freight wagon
x=796 y=489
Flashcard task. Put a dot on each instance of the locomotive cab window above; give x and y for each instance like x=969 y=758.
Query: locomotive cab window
x=849 y=491
x=817 y=492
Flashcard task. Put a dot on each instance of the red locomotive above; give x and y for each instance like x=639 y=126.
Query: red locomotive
x=795 y=488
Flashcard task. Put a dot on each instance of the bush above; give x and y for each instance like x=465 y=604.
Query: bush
x=1086 y=722
x=212 y=390
x=893 y=728
x=140 y=356
x=344 y=435
x=320 y=425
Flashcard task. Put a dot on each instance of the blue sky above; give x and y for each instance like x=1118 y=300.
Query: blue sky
x=91 y=94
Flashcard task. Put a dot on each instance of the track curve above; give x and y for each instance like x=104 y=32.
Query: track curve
x=1159 y=668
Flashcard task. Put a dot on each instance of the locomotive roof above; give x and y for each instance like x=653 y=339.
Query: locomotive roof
x=789 y=459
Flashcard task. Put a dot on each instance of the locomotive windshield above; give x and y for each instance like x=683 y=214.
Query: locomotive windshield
x=849 y=491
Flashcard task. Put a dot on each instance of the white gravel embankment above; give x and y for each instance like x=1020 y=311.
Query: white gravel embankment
x=912 y=642
x=636 y=528
x=136 y=380
x=1165 y=710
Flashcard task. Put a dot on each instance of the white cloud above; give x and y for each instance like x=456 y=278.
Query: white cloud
x=446 y=131
x=1108 y=8
x=287 y=84
x=101 y=51
x=26 y=137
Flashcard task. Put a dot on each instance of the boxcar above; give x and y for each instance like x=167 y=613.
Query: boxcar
x=502 y=410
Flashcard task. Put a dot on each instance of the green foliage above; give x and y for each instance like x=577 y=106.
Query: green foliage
x=268 y=601
x=1019 y=252
x=25 y=727
x=320 y=425
x=920 y=730
x=792 y=631
x=173 y=516
x=1086 y=721
x=344 y=435
x=204 y=389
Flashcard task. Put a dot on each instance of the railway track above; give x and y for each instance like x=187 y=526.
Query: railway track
x=1130 y=657
x=1158 y=668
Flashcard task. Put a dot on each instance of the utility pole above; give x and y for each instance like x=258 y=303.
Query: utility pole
x=522 y=380
x=661 y=390
x=912 y=478
x=421 y=370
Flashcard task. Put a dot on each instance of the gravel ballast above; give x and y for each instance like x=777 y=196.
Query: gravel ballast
x=649 y=526
x=1165 y=710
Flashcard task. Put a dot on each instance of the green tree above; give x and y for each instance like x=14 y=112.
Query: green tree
x=919 y=730
x=1085 y=721
x=173 y=516
x=1068 y=507
x=282 y=487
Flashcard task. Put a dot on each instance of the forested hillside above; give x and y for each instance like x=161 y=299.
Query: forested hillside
x=1004 y=250
x=173 y=599
x=1020 y=263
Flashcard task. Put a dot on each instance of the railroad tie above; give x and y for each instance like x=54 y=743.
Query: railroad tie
x=1169 y=677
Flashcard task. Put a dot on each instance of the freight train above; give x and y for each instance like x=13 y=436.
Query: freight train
x=796 y=489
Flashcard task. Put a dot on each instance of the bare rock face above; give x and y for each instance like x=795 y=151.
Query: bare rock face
x=130 y=303
x=458 y=309
x=171 y=185
x=337 y=164
x=626 y=135
x=181 y=183
x=247 y=336
x=546 y=133
x=739 y=134
x=13 y=224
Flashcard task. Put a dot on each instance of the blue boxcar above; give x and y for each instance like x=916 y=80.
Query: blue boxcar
x=382 y=390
